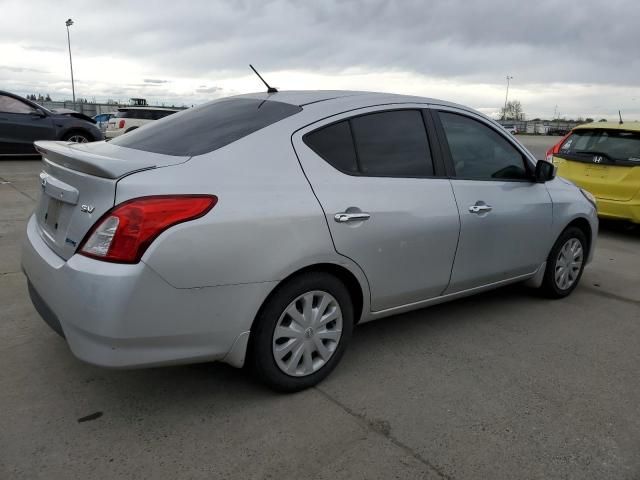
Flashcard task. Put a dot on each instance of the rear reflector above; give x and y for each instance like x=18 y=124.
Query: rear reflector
x=125 y=232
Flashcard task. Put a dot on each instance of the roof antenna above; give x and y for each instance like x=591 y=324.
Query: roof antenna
x=269 y=89
x=620 y=115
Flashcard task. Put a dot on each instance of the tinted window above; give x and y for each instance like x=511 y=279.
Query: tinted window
x=11 y=105
x=479 y=152
x=158 y=114
x=386 y=144
x=208 y=127
x=334 y=144
x=613 y=144
x=393 y=144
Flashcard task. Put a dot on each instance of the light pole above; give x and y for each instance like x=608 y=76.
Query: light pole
x=68 y=23
x=504 y=112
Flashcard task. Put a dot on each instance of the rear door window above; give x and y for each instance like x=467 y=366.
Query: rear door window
x=206 y=128
x=388 y=144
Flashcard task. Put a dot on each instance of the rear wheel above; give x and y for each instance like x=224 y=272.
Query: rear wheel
x=302 y=332
x=565 y=263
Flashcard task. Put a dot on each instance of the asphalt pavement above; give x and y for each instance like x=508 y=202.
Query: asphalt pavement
x=501 y=385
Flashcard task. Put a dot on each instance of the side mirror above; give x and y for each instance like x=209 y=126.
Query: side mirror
x=37 y=112
x=545 y=171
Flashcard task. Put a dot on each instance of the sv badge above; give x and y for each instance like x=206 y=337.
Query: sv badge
x=87 y=208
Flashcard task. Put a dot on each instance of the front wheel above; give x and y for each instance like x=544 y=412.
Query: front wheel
x=565 y=263
x=77 y=137
x=302 y=332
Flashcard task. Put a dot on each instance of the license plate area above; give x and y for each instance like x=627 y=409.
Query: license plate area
x=600 y=171
x=52 y=215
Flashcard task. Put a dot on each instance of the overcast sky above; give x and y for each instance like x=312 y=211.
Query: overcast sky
x=581 y=56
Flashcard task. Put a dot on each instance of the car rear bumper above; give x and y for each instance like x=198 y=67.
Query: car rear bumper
x=122 y=316
x=629 y=210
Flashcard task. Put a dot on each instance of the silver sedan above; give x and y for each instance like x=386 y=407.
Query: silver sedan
x=260 y=229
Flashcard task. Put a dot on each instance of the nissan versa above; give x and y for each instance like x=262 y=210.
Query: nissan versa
x=259 y=229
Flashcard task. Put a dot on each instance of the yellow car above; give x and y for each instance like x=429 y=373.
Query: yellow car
x=604 y=159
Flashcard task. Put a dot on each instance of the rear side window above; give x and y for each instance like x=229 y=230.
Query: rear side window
x=206 y=128
x=388 y=144
x=479 y=152
x=335 y=144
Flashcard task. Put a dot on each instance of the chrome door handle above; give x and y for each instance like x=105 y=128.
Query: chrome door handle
x=345 y=217
x=480 y=208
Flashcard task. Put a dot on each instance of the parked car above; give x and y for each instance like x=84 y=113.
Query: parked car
x=261 y=228
x=102 y=120
x=604 y=158
x=512 y=129
x=127 y=119
x=23 y=121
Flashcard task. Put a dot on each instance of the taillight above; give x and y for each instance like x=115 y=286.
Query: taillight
x=121 y=124
x=125 y=232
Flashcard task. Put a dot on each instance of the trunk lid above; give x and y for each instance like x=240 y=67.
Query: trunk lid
x=78 y=185
x=609 y=181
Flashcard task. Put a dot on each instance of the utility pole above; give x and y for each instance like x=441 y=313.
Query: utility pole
x=504 y=112
x=68 y=23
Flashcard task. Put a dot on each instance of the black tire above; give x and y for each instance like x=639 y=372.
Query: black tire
x=261 y=357
x=550 y=287
x=77 y=134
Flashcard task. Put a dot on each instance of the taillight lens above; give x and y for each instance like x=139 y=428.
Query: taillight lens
x=121 y=124
x=125 y=232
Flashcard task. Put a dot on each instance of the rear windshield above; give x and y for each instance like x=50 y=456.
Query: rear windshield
x=612 y=145
x=208 y=127
x=143 y=114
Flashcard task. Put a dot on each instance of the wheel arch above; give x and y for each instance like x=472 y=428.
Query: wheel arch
x=583 y=224
x=357 y=291
x=73 y=130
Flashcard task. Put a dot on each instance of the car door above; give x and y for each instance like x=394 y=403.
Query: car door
x=21 y=125
x=386 y=205
x=505 y=215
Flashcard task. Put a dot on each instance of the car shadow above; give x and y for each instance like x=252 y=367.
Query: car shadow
x=215 y=381
x=620 y=228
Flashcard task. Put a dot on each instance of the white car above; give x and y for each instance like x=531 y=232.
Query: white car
x=512 y=129
x=130 y=118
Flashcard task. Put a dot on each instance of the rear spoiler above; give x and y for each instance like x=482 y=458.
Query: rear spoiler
x=102 y=159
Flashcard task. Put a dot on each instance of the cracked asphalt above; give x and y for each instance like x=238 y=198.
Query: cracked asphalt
x=501 y=385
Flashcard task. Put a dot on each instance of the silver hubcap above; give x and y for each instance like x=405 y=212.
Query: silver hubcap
x=568 y=263
x=77 y=139
x=307 y=333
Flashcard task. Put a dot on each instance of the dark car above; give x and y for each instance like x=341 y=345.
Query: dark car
x=22 y=122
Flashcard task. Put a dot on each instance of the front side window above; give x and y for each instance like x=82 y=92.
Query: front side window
x=389 y=144
x=480 y=153
x=12 y=105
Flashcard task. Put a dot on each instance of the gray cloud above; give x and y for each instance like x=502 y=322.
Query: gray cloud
x=204 y=89
x=21 y=69
x=42 y=48
x=539 y=43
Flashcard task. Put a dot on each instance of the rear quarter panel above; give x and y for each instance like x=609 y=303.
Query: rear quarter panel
x=266 y=225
